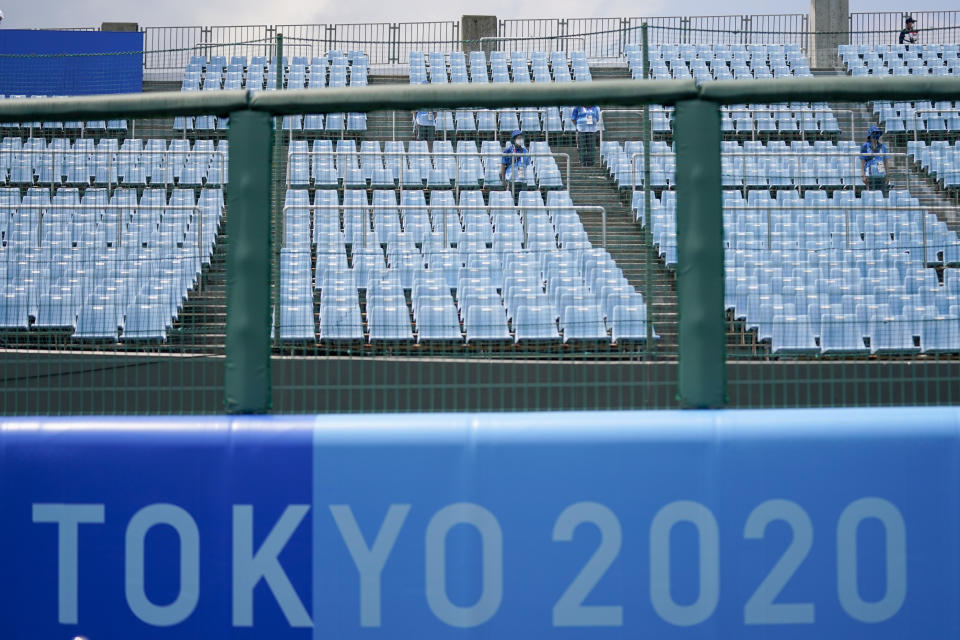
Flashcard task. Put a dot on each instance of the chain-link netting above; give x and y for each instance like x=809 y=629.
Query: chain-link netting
x=418 y=264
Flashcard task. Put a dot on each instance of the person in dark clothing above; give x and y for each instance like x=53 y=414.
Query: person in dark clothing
x=873 y=158
x=908 y=35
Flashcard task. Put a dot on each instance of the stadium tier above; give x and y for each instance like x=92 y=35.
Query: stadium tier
x=940 y=160
x=105 y=263
x=387 y=240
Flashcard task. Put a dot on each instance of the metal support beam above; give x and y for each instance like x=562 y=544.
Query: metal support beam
x=702 y=326
x=247 y=377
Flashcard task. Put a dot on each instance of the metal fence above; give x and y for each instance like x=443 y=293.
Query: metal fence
x=185 y=286
x=935 y=27
x=389 y=43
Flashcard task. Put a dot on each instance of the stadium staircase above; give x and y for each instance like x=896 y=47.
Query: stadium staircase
x=202 y=325
x=626 y=242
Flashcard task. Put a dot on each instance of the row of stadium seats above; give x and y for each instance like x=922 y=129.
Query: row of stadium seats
x=529 y=119
x=792 y=119
x=844 y=221
x=516 y=297
x=829 y=275
x=333 y=58
x=316 y=76
x=99 y=219
x=323 y=166
x=80 y=272
x=338 y=122
x=107 y=162
x=718 y=62
x=921 y=116
x=501 y=68
x=940 y=159
x=113 y=126
x=752 y=165
x=447 y=220
x=336 y=69
x=923 y=60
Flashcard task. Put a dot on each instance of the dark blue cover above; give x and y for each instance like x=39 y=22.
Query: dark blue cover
x=59 y=63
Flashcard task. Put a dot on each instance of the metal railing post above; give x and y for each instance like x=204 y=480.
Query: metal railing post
x=700 y=281
x=247 y=369
x=647 y=143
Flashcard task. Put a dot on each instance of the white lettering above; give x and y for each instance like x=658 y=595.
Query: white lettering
x=186 y=600
x=709 y=552
x=68 y=517
x=848 y=588
x=369 y=561
x=491 y=564
x=249 y=566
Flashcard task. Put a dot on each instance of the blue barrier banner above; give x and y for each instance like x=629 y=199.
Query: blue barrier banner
x=815 y=524
x=70 y=63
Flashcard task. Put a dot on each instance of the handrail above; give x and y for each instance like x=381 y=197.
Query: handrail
x=385 y=97
x=457 y=155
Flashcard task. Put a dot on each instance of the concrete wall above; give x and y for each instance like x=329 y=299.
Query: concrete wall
x=472 y=28
x=829 y=28
x=65 y=383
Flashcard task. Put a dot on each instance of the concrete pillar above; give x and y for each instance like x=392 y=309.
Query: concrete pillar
x=119 y=26
x=829 y=25
x=472 y=28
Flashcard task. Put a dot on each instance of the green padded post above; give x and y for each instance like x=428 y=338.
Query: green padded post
x=247 y=376
x=702 y=326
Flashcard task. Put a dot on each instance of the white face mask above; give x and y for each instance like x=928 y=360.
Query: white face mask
x=518 y=141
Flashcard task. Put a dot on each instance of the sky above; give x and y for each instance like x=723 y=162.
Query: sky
x=78 y=13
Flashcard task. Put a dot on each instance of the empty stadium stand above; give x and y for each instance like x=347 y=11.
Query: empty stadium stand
x=112 y=230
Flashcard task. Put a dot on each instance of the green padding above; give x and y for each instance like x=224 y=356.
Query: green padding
x=702 y=330
x=125 y=105
x=247 y=377
x=836 y=88
x=601 y=92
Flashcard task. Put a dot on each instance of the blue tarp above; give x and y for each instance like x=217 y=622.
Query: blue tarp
x=66 y=63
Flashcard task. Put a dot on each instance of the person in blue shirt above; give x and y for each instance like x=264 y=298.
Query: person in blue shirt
x=426 y=125
x=516 y=159
x=587 y=120
x=873 y=159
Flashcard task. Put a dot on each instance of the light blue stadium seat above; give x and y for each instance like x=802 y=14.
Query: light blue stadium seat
x=389 y=323
x=340 y=323
x=535 y=324
x=486 y=324
x=583 y=323
x=145 y=322
x=891 y=335
x=98 y=320
x=841 y=334
x=941 y=335
x=56 y=312
x=792 y=335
